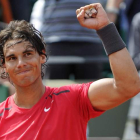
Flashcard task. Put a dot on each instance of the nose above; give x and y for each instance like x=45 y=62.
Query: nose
x=21 y=62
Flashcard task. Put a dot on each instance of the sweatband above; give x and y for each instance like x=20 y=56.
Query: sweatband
x=111 y=39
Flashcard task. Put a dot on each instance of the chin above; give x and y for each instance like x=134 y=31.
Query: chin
x=26 y=82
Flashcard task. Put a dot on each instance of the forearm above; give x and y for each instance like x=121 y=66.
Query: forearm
x=125 y=74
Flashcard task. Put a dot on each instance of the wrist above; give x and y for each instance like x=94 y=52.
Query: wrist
x=111 y=39
x=104 y=25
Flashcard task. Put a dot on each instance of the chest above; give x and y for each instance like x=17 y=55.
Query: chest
x=54 y=116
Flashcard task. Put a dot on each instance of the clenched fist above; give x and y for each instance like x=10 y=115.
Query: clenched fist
x=92 y=16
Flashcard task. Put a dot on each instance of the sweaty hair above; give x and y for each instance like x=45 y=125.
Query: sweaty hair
x=26 y=32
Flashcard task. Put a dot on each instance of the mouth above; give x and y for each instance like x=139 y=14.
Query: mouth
x=23 y=72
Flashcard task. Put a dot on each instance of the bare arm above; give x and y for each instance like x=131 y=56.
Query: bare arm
x=105 y=94
x=112 y=8
x=113 y=3
x=108 y=93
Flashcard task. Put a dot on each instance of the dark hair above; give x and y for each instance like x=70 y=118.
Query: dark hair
x=26 y=32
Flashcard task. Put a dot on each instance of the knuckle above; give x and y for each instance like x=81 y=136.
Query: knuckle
x=77 y=11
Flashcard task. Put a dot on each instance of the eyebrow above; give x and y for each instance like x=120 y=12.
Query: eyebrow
x=11 y=55
x=26 y=51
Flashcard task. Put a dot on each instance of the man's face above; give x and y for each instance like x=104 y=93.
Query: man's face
x=22 y=62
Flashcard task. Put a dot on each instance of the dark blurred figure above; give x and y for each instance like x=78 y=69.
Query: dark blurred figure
x=131 y=7
x=122 y=12
x=21 y=9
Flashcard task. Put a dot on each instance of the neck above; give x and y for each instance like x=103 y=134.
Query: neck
x=27 y=97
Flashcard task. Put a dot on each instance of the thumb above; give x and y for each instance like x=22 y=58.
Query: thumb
x=80 y=16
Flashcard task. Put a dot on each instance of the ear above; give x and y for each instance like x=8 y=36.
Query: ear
x=3 y=69
x=3 y=66
x=43 y=57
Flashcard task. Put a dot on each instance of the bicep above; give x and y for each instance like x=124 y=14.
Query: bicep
x=104 y=95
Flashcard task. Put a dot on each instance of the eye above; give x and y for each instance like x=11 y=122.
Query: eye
x=12 y=58
x=28 y=54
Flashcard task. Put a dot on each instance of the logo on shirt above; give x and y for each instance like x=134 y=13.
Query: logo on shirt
x=46 y=109
x=50 y=100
